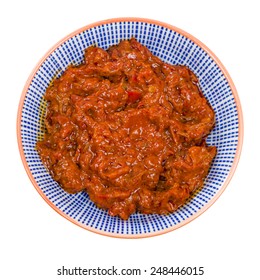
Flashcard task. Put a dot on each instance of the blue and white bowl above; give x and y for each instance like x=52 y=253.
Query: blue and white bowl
x=172 y=45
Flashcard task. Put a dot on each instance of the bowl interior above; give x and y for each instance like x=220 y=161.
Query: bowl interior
x=171 y=46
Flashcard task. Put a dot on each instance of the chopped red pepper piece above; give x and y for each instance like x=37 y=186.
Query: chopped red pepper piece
x=133 y=96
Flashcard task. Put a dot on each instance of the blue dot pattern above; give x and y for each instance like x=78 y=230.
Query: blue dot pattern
x=171 y=47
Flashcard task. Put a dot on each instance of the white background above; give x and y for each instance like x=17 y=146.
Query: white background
x=35 y=241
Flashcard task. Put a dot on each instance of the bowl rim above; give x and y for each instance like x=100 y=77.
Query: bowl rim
x=185 y=34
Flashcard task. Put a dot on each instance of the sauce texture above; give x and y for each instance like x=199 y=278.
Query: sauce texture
x=129 y=130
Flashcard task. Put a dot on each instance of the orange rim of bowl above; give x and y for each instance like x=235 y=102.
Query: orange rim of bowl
x=196 y=41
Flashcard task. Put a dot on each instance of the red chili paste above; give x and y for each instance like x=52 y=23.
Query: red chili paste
x=129 y=130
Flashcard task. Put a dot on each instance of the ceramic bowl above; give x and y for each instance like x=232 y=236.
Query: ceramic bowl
x=172 y=45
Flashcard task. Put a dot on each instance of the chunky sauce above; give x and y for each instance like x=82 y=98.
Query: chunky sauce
x=129 y=129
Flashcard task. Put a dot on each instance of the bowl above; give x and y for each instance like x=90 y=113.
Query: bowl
x=173 y=46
